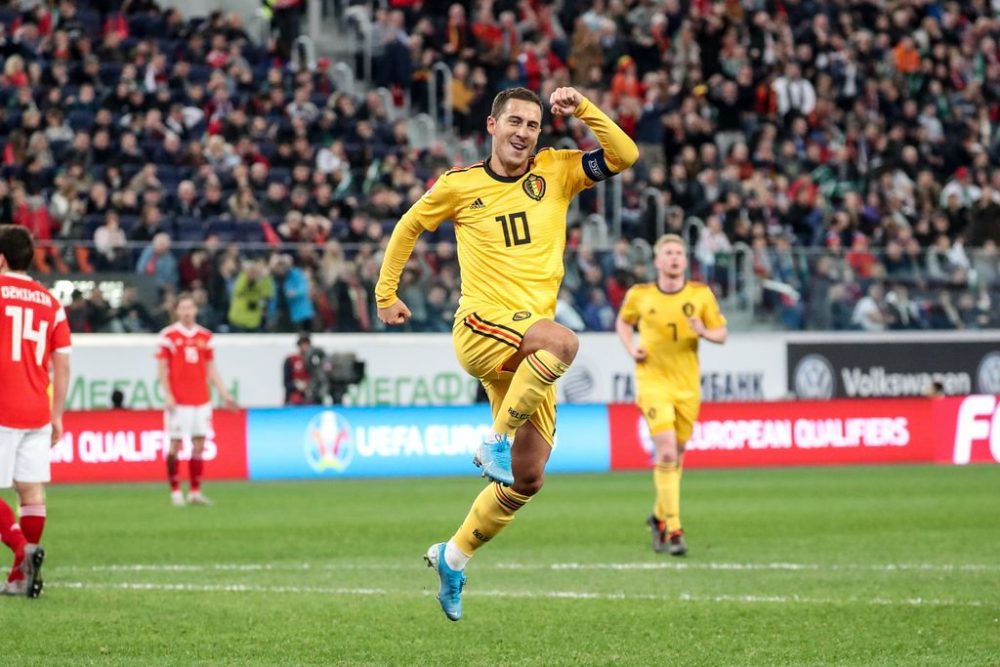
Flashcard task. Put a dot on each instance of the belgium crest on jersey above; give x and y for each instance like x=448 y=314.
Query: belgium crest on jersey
x=534 y=187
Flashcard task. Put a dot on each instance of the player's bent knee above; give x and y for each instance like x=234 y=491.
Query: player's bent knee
x=570 y=346
x=529 y=485
x=564 y=344
x=668 y=457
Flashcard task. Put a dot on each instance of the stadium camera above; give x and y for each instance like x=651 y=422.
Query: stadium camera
x=331 y=375
x=343 y=370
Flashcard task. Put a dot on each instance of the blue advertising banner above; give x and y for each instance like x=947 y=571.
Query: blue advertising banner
x=333 y=442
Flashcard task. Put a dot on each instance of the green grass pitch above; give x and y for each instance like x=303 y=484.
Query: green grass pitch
x=849 y=566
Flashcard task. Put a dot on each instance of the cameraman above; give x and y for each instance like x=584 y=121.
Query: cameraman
x=304 y=374
x=251 y=293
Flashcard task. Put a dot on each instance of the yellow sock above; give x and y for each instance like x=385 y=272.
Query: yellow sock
x=528 y=388
x=667 y=477
x=492 y=510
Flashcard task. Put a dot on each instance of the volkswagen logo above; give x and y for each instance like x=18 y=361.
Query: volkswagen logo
x=988 y=375
x=814 y=377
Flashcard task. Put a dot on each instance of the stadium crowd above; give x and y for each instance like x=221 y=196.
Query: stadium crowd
x=841 y=159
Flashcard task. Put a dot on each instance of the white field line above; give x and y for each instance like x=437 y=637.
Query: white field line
x=530 y=595
x=625 y=566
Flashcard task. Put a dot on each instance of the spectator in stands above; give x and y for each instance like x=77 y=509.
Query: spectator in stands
x=243 y=205
x=157 y=261
x=212 y=204
x=291 y=309
x=351 y=301
x=902 y=312
x=985 y=219
x=150 y=222
x=870 y=312
x=131 y=316
x=110 y=245
x=252 y=292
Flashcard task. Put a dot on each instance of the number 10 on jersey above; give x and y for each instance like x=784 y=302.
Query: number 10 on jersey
x=515 y=229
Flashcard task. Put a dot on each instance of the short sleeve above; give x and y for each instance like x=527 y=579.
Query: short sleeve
x=629 y=312
x=435 y=206
x=60 y=337
x=711 y=316
x=209 y=351
x=164 y=347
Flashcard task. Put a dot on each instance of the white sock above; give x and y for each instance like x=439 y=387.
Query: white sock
x=454 y=557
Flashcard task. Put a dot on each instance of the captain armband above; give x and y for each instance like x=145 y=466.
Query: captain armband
x=595 y=167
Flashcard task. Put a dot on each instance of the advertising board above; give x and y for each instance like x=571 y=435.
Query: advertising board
x=131 y=446
x=787 y=433
x=967 y=429
x=332 y=443
x=892 y=367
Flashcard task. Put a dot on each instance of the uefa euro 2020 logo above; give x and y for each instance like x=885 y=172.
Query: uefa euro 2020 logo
x=328 y=442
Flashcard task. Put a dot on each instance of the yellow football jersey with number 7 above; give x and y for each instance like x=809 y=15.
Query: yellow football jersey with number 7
x=510 y=231
x=671 y=367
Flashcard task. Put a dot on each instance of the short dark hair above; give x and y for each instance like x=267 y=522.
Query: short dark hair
x=184 y=296
x=17 y=247
x=500 y=101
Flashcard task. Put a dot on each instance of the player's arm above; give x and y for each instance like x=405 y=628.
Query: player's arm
x=711 y=325
x=427 y=213
x=716 y=335
x=626 y=332
x=625 y=326
x=60 y=385
x=163 y=371
x=61 y=346
x=220 y=386
x=617 y=153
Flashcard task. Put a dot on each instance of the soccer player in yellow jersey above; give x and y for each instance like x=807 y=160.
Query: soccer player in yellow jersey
x=510 y=225
x=673 y=314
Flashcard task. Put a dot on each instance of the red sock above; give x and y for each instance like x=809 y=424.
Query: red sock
x=197 y=468
x=173 y=473
x=33 y=522
x=11 y=535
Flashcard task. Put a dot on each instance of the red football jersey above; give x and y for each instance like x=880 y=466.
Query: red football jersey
x=187 y=352
x=32 y=326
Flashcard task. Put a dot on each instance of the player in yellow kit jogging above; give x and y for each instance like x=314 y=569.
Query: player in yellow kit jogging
x=510 y=225
x=672 y=315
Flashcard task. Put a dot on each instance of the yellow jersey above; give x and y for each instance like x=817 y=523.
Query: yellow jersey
x=510 y=231
x=671 y=345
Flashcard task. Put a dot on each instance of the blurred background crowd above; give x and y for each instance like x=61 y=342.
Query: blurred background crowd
x=833 y=164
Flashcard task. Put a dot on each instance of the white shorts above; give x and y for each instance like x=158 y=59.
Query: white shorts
x=188 y=421
x=24 y=455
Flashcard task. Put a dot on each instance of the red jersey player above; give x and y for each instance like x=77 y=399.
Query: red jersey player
x=34 y=336
x=187 y=364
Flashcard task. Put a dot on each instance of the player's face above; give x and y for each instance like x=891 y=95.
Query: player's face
x=515 y=132
x=187 y=312
x=671 y=260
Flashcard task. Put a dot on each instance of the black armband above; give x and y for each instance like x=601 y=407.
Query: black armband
x=595 y=167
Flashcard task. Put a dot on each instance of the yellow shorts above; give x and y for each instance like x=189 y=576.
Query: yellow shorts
x=484 y=340
x=664 y=413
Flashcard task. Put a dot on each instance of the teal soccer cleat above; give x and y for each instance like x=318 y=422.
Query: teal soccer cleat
x=452 y=582
x=494 y=459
